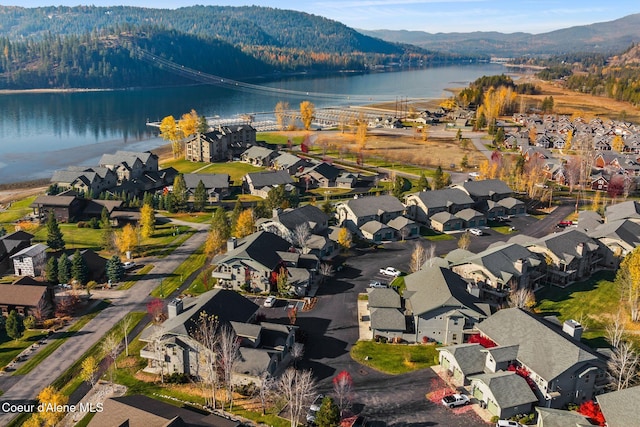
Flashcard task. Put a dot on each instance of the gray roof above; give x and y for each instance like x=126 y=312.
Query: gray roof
x=384 y=297
x=374 y=205
x=443 y=198
x=508 y=388
x=436 y=287
x=549 y=417
x=324 y=169
x=387 y=319
x=457 y=255
x=226 y=305
x=620 y=408
x=501 y=260
x=261 y=247
x=248 y=330
x=469 y=357
x=267 y=178
x=63 y=201
x=543 y=348
x=510 y=202
x=252 y=361
x=11 y=241
x=443 y=217
x=400 y=222
x=485 y=188
x=257 y=152
x=589 y=220
x=564 y=245
x=373 y=227
x=31 y=251
x=468 y=214
x=304 y=214
x=624 y=230
x=504 y=353
x=287 y=160
x=628 y=209
x=128 y=157
x=210 y=180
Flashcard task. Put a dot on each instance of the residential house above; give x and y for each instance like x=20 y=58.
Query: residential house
x=491 y=209
x=138 y=410
x=562 y=369
x=405 y=228
x=65 y=208
x=320 y=175
x=289 y=163
x=36 y=300
x=377 y=232
x=462 y=361
x=356 y=212
x=30 y=261
x=571 y=255
x=589 y=220
x=216 y=185
x=260 y=183
x=501 y=269
x=513 y=206
x=285 y=223
x=620 y=408
x=86 y=180
x=471 y=218
x=207 y=147
x=252 y=263
x=444 y=221
x=621 y=237
x=173 y=347
x=487 y=189
x=11 y=244
x=130 y=165
x=505 y=394
x=424 y=204
x=259 y=156
x=600 y=182
x=548 y=417
x=385 y=312
x=347 y=180
x=441 y=307
x=625 y=210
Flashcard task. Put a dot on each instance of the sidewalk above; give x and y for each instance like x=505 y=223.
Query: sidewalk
x=364 y=322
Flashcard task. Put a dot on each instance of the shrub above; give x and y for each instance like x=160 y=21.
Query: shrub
x=494 y=419
x=247 y=389
x=30 y=322
x=94 y=223
x=81 y=224
x=177 y=378
x=425 y=340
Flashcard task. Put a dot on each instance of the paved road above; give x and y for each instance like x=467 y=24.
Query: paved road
x=133 y=300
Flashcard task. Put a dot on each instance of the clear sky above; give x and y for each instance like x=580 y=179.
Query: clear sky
x=532 y=16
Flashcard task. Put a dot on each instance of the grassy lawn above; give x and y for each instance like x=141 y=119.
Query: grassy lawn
x=133 y=278
x=183 y=166
x=592 y=303
x=329 y=191
x=164 y=240
x=10 y=348
x=197 y=217
x=394 y=358
x=51 y=347
x=17 y=210
x=203 y=283
x=194 y=262
x=433 y=235
x=279 y=138
x=235 y=170
x=74 y=237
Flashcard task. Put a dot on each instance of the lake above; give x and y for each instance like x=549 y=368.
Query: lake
x=42 y=132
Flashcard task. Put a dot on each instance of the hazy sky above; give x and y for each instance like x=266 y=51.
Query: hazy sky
x=532 y=16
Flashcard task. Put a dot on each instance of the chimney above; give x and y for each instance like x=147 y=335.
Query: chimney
x=174 y=308
x=275 y=212
x=573 y=329
x=580 y=249
x=232 y=243
x=521 y=265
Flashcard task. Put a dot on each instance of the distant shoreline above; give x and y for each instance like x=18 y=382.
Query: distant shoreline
x=51 y=90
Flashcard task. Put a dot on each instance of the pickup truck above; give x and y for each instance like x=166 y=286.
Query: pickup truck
x=390 y=271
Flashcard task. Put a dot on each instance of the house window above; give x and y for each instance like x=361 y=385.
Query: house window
x=455 y=322
x=454 y=337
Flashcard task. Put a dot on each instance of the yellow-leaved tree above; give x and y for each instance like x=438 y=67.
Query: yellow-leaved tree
x=127 y=240
x=628 y=280
x=170 y=131
x=617 y=144
x=245 y=224
x=344 y=238
x=51 y=400
x=280 y=113
x=307 y=113
x=147 y=221
x=215 y=242
x=188 y=123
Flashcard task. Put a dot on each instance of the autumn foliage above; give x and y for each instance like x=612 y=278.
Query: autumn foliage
x=592 y=411
x=483 y=341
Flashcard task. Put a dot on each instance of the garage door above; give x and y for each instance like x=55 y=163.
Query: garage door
x=477 y=393
x=492 y=407
x=445 y=363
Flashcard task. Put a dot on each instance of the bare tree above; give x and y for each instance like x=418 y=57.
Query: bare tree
x=615 y=330
x=326 y=270
x=297 y=351
x=431 y=255
x=266 y=391
x=623 y=366
x=126 y=323
x=111 y=347
x=464 y=241
x=206 y=334
x=522 y=298
x=418 y=257
x=572 y=172
x=301 y=234
x=298 y=389
x=229 y=354
x=342 y=388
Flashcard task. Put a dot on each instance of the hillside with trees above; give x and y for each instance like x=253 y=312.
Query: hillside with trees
x=98 y=47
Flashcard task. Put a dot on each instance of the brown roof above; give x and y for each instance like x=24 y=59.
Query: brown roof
x=53 y=201
x=23 y=295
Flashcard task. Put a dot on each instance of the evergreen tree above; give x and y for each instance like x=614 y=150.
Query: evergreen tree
x=199 y=197
x=499 y=136
x=180 y=193
x=203 y=126
x=55 y=239
x=220 y=222
x=492 y=127
x=261 y=210
x=51 y=271
x=79 y=269
x=148 y=199
x=329 y=414
x=170 y=203
x=235 y=214
x=423 y=184
x=14 y=325
x=327 y=207
x=439 y=179
x=398 y=187
x=64 y=269
x=3 y=230
x=114 y=269
x=481 y=121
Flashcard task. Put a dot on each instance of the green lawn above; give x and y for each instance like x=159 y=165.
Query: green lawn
x=74 y=237
x=192 y=264
x=203 y=283
x=395 y=358
x=17 y=210
x=183 y=166
x=197 y=217
x=165 y=240
x=236 y=170
x=10 y=348
x=276 y=138
x=433 y=235
x=590 y=302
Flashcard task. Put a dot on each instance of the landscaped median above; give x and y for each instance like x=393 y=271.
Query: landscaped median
x=394 y=358
x=191 y=265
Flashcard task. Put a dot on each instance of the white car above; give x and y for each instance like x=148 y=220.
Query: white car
x=390 y=271
x=376 y=284
x=129 y=265
x=475 y=231
x=508 y=423
x=270 y=301
x=453 y=400
x=474 y=174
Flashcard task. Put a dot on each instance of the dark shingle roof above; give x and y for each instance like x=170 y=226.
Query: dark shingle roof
x=374 y=205
x=384 y=297
x=628 y=209
x=565 y=244
x=304 y=214
x=261 y=247
x=620 y=408
x=387 y=319
x=443 y=198
x=508 y=388
x=486 y=188
x=210 y=180
x=542 y=347
x=469 y=357
x=25 y=295
x=624 y=230
x=266 y=178
x=128 y=157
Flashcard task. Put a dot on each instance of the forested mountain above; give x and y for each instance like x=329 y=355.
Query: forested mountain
x=83 y=46
x=604 y=37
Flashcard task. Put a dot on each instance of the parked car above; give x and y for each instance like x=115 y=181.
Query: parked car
x=270 y=301
x=376 y=284
x=454 y=400
x=474 y=174
x=564 y=224
x=128 y=265
x=313 y=409
x=476 y=231
x=390 y=271
x=508 y=423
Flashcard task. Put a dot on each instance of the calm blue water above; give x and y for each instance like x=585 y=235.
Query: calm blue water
x=40 y=133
